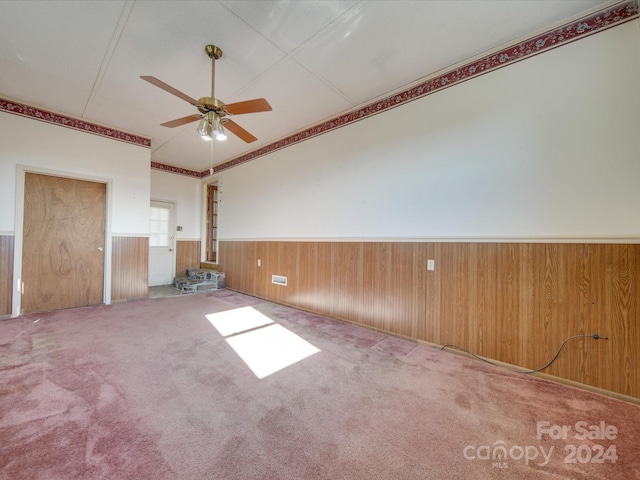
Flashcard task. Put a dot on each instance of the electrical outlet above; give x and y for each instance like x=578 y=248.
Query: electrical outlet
x=431 y=264
x=259 y=262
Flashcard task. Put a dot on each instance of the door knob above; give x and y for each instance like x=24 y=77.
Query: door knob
x=100 y=249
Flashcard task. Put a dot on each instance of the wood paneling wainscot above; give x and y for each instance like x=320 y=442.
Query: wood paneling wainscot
x=512 y=302
x=6 y=273
x=187 y=255
x=129 y=268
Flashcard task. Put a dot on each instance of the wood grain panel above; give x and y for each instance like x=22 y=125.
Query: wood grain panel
x=63 y=243
x=274 y=268
x=6 y=273
x=345 y=273
x=187 y=255
x=247 y=269
x=429 y=327
x=129 y=268
x=622 y=306
x=484 y=275
x=515 y=303
x=531 y=305
x=324 y=267
x=262 y=277
x=307 y=297
x=400 y=269
x=418 y=288
x=229 y=253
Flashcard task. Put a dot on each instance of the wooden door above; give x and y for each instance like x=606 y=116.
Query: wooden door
x=63 y=243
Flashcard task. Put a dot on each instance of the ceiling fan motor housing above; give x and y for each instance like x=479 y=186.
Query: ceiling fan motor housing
x=208 y=104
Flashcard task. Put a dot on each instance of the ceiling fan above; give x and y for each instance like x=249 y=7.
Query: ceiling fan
x=213 y=112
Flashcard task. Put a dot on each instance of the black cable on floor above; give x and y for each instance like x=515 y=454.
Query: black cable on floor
x=595 y=336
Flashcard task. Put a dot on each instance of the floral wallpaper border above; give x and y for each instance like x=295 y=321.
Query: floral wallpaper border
x=601 y=20
x=604 y=19
x=70 y=122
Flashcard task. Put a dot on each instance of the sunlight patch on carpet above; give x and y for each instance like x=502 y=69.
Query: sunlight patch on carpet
x=266 y=347
x=238 y=320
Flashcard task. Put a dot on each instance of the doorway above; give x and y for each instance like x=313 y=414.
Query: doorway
x=161 y=244
x=63 y=243
x=212 y=223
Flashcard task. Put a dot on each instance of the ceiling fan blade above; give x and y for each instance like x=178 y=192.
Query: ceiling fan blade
x=171 y=90
x=248 y=106
x=238 y=131
x=181 y=121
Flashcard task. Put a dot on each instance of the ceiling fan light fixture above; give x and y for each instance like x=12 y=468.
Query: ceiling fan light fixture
x=204 y=128
x=218 y=129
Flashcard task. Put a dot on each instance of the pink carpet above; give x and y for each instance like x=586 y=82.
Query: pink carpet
x=156 y=389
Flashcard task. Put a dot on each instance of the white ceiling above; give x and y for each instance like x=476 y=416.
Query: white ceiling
x=311 y=60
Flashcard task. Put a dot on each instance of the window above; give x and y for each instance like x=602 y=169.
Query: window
x=159 y=228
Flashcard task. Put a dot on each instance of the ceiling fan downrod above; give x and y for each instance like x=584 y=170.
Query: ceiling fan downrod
x=212 y=104
x=214 y=54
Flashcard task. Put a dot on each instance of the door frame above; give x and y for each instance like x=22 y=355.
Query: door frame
x=21 y=171
x=203 y=218
x=211 y=232
x=172 y=231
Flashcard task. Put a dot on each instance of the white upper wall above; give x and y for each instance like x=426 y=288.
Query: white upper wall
x=186 y=193
x=546 y=148
x=48 y=148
